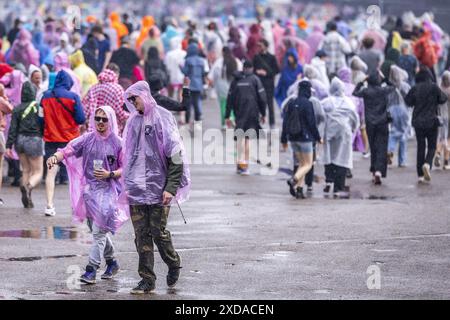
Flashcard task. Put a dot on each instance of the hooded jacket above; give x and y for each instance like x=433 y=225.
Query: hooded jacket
x=392 y=58
x=247 y=99
x=25 y=120
x=425 y=97
x=303 y=105
x=62 y=111
x=194 y=68
x=376 y=99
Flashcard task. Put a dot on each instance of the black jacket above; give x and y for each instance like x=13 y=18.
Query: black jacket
x=29 y=124
x=247 y=99
x=305 y=108
x=425 y=97
x=267 y=62
x=376 y=100
x=172 y=104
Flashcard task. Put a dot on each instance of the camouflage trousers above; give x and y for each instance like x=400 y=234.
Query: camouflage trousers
x=149 y=223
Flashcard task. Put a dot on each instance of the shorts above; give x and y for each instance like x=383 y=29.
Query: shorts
x=2 y=143
x=31 y=146
x=52 y=147
x=302 y=147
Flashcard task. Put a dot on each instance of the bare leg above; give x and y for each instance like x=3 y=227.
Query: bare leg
x=305 y=164
x=37 y=169
x=26 y=168
x=50 y=185
x=1 y=170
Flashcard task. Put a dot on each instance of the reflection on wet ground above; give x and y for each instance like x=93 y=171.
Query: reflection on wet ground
x=51 y=233
x=30 y=259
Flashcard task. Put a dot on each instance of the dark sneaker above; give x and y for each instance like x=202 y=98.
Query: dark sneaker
x=291 y=183
x=111 y=270
x=299 y=193
x=327 y=188
x=172 y=277
x=143 y=287
x=25 y=200
x=30 y=201
x=349 y=174
x=377 y=179
x=437 y=161
x=390 y=156
x=89 y=276
x=309 y=189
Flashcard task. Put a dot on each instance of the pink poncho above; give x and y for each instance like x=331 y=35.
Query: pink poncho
x=150 y=139
x=92 y=198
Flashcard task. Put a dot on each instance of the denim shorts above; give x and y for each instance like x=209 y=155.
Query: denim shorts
x=31 y=146
x=303 y=147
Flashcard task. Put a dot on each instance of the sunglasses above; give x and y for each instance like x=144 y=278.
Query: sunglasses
x=101 y=119
x=132 y=98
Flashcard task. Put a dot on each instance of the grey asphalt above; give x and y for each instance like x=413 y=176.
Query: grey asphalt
x=247 y=238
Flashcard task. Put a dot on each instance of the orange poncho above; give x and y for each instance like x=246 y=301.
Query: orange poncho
x=147 y=23
x=120 y=28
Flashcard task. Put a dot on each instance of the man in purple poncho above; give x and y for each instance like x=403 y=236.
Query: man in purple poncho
x=155 y=174
x=94 y=162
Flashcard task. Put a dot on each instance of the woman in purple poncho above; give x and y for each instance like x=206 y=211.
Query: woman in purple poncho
x=94 y=164
x=155 y=173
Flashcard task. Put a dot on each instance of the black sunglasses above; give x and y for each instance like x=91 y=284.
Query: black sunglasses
x=101 y=119
x=132 y=98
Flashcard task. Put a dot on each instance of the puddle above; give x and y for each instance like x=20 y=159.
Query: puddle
x=49 y=233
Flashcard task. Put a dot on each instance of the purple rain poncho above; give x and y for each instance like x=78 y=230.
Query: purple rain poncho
x=92 y=198
x=149 y=140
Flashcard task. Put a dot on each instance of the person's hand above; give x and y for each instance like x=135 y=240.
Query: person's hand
x=52 y=161
x=101 y=174
x=261 y=72
x=167 y=198
x=285 y=147
x=9 y=153
x=229 y=123
x=186 y=82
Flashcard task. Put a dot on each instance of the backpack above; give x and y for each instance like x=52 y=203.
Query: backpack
x=294 y=125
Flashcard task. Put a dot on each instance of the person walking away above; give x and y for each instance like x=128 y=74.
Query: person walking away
x=408 y=62
x=23 y=50
x=154 y=65
x=25 y=134
x=369 y=55
x=266 y=68
x=443 y=148
x=220 y=76
x=300 y=129
x=94 y=163
x=62 y=114
x=247 y=100
x=289 y=74
x=425 y=50
x=195 y=68
x=156 y=85
x=155 y=175
x=375 y=98
x=425 y=98
x=399 y=129
x=5 y=108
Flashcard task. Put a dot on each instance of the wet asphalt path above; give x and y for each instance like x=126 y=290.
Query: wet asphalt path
x=247 y=238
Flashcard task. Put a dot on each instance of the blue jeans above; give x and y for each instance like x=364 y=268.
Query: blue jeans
x=398 y=139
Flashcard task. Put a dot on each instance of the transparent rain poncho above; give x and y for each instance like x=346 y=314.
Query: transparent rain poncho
x=150 y=139
x=90 y=197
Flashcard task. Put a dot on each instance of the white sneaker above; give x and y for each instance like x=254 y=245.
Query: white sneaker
x=421 y=180
x=426 y=172
x=50 y=212
x=245 y=172
x=446 y=167
x=366 y=155
x=198 y=126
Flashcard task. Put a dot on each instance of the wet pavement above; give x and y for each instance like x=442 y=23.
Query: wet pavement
x=247 y=238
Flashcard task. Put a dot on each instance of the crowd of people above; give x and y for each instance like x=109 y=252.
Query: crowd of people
x=95 y=103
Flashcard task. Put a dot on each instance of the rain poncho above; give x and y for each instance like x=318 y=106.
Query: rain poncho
x=44 y=84
x=173 y=60
x=62 y=63
x=90 y=197
x=117 y=25
x=45 y=53
x=147 y=23
x=321 y=90
x=341 y=122
x=345 y=75
x=85 y=74
x=288 y=76
x=150 y=139
x=23 y=51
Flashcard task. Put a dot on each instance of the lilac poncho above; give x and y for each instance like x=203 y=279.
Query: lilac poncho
x=149 y=140
x=90 y=197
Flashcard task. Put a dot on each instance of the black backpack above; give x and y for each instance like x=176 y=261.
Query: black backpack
x=294 y=125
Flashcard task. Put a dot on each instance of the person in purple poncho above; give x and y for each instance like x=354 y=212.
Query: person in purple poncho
x=155 y=174
x=94 y=162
